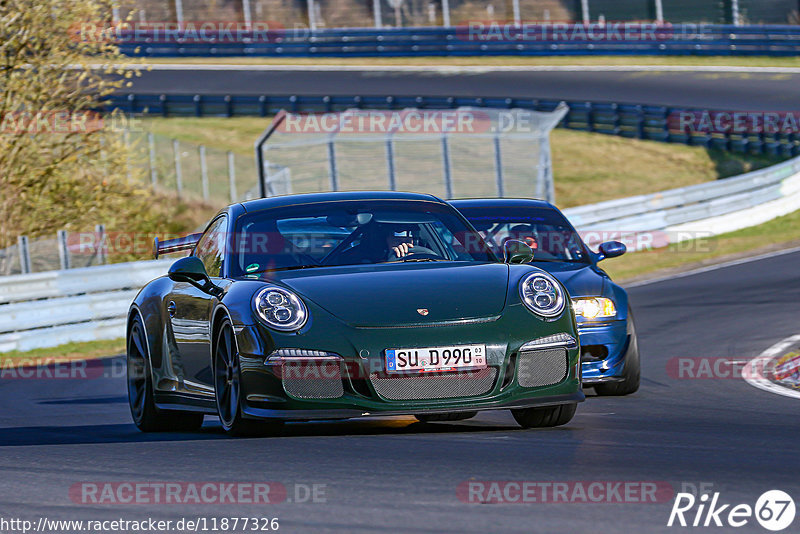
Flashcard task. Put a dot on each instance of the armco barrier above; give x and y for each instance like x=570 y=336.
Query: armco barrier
x=472 y=40
x=48 y=309
x=655 y=123
x=56 y=307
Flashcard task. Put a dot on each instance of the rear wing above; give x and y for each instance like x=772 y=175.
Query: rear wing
x=175 y=245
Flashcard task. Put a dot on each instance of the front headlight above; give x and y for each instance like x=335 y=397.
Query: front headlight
x=280 y=309
x=542 y=295
x=594 y=308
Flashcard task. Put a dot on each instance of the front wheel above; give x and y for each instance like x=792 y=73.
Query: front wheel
x=228 y=390
x=545 y=416
x=146 y=416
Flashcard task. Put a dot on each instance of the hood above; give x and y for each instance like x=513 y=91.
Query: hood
x=389 y=295
x=580 y=279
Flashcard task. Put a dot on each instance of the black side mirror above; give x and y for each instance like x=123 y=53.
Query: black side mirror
x=611 y=249
x=191 y=269
x=515 y=251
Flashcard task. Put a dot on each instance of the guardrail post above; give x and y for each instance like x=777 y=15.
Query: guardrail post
x=446 y=13
x=376 y=11
x=151 y=144
x=735 y=12
x=246 y=13
x=24 y=254
x=585 y=11
x=312 y=17
x=100 y=230
x=448 y=179
x=517 y=16
x=179 y=11
x=232 y=176
x=63 y=250
x=659 y=12
x=332 y=171
x=204 y=171
x=498 y=167
x=176 y=149
x=390 y=164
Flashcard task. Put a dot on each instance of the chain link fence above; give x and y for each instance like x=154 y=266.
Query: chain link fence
x=314 y=14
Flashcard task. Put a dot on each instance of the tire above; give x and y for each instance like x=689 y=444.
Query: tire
x=631 y=373
x=455 y=416
x=228 y=391
x=546 y=416
x=146 y=416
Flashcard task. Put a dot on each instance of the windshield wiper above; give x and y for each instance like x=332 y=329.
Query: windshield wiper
x=421 y=259
x=290 y=268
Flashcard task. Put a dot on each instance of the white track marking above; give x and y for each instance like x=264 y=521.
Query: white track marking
x=752 y=371
x=714 y=267
x=455 y=69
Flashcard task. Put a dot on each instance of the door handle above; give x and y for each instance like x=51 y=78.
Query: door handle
x=171 y=308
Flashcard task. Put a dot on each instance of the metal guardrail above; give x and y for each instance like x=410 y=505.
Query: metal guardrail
x=655 y=123
x=56 y=307
x=502 y=39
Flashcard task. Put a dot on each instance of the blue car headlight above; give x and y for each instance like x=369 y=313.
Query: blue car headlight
x=594 y=308
x=542 y=294
x=280 y=309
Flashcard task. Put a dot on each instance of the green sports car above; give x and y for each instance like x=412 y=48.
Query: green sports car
x=342 y=305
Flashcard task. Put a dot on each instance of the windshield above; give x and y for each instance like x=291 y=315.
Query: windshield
x=353 y=233
x=546 y=231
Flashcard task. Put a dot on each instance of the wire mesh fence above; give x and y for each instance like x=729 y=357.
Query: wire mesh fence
x=314 y=14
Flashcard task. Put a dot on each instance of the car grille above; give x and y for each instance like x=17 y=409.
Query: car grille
x=324 y=382
x=435 y=386
x=541 y=367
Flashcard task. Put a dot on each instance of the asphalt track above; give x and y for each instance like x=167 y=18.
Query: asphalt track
x=395 y=475
x=748 y=90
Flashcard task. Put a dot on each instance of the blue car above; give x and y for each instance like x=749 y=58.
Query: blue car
x=609 y=348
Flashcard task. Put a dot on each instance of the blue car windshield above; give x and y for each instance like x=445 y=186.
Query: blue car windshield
x=353 y=233
x=545 y=230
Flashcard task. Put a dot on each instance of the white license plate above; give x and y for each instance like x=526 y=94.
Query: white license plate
x=436 y=358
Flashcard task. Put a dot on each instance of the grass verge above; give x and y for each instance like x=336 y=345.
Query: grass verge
x=63 y=353
x=778 y=234
x=484 y=61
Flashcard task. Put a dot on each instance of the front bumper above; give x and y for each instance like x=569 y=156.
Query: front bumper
x=361 y=350
x=603 y=349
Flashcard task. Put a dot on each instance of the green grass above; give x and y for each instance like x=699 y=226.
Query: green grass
x=67 y=352
x=782 y=232
x=588 y=167
x=483 y=61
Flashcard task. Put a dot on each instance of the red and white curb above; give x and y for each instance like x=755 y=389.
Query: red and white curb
x=753 y=370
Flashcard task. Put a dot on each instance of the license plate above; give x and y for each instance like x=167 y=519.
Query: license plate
x=436 y=358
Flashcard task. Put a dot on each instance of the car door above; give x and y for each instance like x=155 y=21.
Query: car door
x=189 y=309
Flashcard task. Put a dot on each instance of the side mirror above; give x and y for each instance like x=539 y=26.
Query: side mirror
x=515 y=251
x=191 y=269
x=612 y=249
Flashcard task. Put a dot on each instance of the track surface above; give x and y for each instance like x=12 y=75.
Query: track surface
x=738 y=91
x=397 y=475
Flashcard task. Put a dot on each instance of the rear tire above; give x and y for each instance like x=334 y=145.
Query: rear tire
x=546 y=416
x=146 y=416
x=455 y=416
x=631 y=373
x=228 y=391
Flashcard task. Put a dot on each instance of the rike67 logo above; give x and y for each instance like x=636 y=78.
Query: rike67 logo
x=774 y=510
